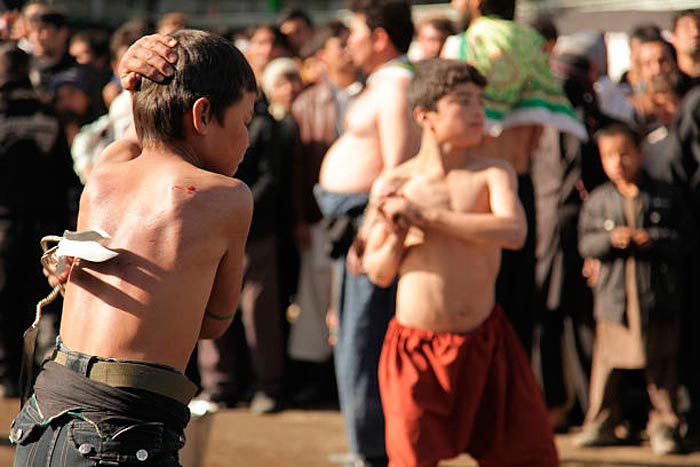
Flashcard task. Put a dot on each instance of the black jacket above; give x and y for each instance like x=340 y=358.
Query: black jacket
x=665 y=217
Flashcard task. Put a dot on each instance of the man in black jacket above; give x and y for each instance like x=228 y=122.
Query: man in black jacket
x=38 y=194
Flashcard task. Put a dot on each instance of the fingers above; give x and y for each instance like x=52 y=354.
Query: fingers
x=150 y=57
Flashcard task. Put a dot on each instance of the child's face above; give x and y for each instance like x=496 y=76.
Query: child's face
x=622 y=160
x=228 y=139
x=458 y=117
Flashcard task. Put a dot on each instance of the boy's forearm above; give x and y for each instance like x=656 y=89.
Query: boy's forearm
x=504 y=232
x=213 y=328
x=595 y=245
x=381 y=262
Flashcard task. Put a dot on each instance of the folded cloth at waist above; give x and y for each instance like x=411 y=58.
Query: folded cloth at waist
x=156 y=378
x=61 y=390
x=334 y=204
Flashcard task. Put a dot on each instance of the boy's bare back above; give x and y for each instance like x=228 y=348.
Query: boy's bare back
x=178 y=230
x=446 y=279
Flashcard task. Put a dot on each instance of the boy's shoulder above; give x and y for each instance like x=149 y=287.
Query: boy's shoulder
x=396 y=176
x=478 y=163
x=601 y=191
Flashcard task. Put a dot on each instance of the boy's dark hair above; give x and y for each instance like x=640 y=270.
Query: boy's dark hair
x=394 y=16
x=441 y=24
x=504 y=9
x=438 y=77
x=323 y=34
x=50 y=17
x=207 y=66
x=291 y=14
x=614 y=128
x=693 y=13
x=646 y=33
x=544 y=24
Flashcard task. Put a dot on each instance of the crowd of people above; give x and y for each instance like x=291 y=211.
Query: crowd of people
x=371 y=278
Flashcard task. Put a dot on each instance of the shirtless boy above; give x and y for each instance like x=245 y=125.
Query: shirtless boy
x=114 y=391
x=453 y=376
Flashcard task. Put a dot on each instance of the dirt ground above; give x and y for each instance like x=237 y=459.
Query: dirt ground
x=295 y=438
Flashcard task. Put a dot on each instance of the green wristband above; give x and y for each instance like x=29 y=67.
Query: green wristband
x=219 y=317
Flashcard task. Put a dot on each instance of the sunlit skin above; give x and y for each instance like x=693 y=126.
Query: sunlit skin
x=180 y=193
x=379 y=132
x=686 y=40
x=430 y=41
x=654 y=59
x=439 y=211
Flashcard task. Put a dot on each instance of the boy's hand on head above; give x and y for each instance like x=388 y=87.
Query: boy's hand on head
x=150 y=57
x=621 y=237
x=641 y=238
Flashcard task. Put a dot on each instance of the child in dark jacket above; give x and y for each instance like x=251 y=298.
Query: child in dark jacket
x=635 y=227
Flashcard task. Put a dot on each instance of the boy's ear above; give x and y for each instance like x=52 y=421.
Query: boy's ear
x=201 y=115
x=420 y=115
x=380 y=39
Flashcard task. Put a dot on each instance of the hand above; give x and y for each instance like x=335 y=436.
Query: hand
x=151 y=57
x=591 y=270
x=53 y=277
x=641 y=238
x=400 y=212
x=620 y=237
x=332 y=323
x=353 y=260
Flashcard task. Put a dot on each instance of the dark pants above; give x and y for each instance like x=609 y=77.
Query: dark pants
x=263 y=323
x=515 y=286
x=74 y=421
x=21 y=287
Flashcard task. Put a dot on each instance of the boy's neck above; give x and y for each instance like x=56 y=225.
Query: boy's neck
x=178 y=149
x=444 y=155
x=628 y=188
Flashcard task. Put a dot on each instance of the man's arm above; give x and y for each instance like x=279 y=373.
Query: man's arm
x=504 y=226
x=398 y=134
x=226 y=290
x=384 y=249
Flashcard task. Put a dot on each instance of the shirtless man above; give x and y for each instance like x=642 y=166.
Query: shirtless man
x=453 y=376
x=379 y=134
x=178 y=224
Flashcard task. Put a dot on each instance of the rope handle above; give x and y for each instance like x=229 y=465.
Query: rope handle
x=47 y=261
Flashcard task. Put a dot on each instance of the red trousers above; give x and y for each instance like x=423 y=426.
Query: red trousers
x=444 y=394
